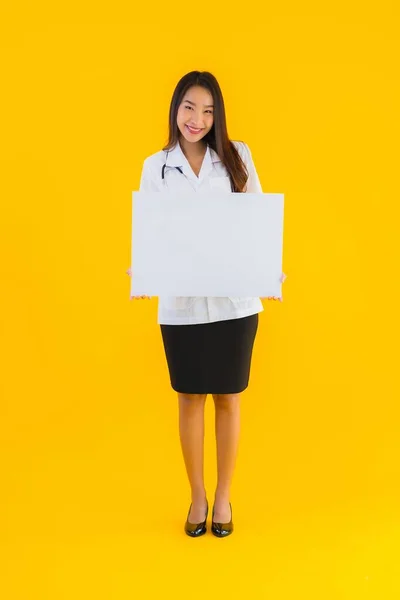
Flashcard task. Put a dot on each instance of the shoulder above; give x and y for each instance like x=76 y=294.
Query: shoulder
x=243 y=149
x=239 y=144
x=154 y=161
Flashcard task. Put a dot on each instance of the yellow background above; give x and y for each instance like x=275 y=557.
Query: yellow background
x=94 y=489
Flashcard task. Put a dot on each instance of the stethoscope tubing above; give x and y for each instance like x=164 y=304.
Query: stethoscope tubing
x=178 y=168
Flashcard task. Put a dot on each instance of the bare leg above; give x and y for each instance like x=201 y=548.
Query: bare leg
x=227 y=429
x=191 y=431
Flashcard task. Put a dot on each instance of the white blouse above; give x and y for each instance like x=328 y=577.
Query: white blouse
x=179 y=310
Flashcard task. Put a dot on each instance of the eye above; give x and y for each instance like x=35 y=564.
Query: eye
x=209 y=111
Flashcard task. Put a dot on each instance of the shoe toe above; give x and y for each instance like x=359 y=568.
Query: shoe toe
x=222 y=529
x=195 y=529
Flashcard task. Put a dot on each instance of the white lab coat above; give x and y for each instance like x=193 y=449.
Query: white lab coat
x=178 y=310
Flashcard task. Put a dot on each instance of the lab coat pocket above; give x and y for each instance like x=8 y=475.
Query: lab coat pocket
x=221 y=183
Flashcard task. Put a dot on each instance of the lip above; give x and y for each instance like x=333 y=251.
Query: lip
x=195 y=132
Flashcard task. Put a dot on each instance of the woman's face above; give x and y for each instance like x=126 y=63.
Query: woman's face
x=195 y=114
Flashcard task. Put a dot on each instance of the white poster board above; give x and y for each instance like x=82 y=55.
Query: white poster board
x=206 y=244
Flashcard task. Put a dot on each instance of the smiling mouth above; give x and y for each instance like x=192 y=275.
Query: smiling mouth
x=193 y=130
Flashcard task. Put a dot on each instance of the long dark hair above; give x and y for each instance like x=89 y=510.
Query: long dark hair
x=217 y=138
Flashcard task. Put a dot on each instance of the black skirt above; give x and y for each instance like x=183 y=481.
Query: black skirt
x=210 y=358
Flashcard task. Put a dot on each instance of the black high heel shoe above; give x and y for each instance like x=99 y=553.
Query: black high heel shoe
x=196 y=529
x=222 y=529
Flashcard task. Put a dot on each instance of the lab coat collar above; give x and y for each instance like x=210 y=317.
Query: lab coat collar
x=176 y=158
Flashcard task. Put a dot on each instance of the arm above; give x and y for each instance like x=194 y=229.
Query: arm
x=147 y=184
x=253 y=184
x=147 y=179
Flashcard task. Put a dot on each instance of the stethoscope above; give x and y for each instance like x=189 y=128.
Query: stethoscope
x=163 y=171
x=180 y=170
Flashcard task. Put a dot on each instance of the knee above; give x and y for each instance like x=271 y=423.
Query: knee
x=226 y=402
x=191 y=400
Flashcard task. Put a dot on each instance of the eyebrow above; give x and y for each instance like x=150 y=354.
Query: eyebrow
x=206 y=105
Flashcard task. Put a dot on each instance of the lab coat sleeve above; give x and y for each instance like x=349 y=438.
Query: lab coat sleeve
x=147 y=179
x=253 y=182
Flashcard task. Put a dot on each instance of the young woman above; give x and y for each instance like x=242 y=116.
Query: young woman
x=208 y=342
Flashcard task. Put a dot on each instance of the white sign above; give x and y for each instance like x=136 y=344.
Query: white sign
x=206 y=244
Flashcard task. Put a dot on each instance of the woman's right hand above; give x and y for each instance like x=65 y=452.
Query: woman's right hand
x=129 y=272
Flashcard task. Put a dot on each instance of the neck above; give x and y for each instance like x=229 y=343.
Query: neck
x=192 y=149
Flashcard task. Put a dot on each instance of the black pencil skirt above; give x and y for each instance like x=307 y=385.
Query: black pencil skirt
x=210 y=358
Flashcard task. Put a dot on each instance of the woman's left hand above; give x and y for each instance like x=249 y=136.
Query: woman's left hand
x=282 y=279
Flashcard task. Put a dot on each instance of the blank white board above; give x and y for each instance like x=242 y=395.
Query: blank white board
x=206 y=244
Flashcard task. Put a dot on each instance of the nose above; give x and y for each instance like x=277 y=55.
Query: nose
x=197 y=120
